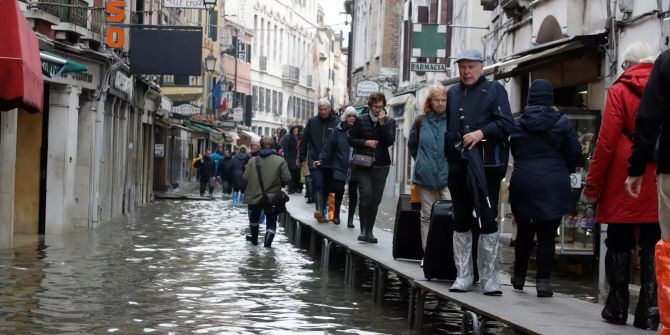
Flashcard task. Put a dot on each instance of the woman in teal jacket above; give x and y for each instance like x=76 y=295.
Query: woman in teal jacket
x=426 y=145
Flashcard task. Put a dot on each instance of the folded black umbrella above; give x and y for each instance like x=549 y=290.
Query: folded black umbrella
x=476 y=181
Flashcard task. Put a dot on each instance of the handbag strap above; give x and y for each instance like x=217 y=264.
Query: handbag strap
x=260 y=178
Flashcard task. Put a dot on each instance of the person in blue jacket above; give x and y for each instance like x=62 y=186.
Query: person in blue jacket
x=426 y=146
x=545 y=150
x=336 y=151
x=479 y=115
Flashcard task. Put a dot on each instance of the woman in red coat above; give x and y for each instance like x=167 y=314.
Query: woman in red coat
x=624 y=214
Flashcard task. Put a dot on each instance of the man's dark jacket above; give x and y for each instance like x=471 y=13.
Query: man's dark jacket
x=653 y=120
x=317 y=132
x=226 y=169
x=207 y=168
x=364 y=129
x=495 y=119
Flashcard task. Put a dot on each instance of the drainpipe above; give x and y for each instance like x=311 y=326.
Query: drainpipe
x=611 y=50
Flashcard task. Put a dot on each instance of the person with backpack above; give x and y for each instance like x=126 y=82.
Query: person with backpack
x=545 y=150
x=426 y=146
x=624 y=214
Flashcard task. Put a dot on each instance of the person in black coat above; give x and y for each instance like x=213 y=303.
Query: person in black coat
x=290 y=150
x=372 y=134
x=337 y=152
x=239 y=161
x=226 y=172
x=545 y=150
x=207 y=171
x=317 y=131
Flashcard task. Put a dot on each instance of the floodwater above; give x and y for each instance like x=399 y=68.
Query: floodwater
x=184 y=267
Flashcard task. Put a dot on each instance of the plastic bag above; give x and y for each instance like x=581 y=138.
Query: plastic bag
x=663 y=280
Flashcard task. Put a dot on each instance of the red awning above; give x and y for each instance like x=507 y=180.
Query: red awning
x=21 y=83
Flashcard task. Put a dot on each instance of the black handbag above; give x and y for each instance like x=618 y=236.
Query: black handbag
x=362 y=160
x=273 y=202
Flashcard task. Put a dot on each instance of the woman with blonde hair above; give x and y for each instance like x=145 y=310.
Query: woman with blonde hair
x=629 y=220
x=426 y=145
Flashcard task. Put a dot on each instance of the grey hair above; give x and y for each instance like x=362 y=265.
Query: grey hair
x=348 y=111
x=324 y=102
x=639 y=52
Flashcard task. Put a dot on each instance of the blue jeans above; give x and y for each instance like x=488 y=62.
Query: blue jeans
x=254 y=212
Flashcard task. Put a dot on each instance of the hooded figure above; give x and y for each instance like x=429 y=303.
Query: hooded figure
x=545 y=150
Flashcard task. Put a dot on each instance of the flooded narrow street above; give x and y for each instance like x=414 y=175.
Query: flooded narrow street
x=184 y=267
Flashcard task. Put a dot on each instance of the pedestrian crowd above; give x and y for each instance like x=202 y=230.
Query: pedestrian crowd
x=461 y=143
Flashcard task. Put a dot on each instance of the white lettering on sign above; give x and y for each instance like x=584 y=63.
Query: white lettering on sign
x=428 y=67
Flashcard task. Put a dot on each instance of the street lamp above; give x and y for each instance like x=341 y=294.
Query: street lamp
x=210 y=4
x=210 y=63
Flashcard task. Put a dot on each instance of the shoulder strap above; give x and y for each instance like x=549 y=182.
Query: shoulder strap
x=260 y=175
x=630 y=134
x=418 y=123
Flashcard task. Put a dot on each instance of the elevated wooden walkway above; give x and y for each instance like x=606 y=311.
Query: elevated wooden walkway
x=521 y=310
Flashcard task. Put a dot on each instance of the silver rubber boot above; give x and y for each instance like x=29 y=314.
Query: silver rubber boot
x=463 y=259
x=487 y=263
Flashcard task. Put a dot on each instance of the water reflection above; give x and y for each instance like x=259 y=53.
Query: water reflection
x=176 y=267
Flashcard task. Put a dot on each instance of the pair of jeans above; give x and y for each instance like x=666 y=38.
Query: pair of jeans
x=255 y=216
x=546 y=244
x=464 y=206
x=294 y=186
x=206 y=185
x=428 y=197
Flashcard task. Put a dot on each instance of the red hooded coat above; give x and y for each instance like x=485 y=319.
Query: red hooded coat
x=607 y=172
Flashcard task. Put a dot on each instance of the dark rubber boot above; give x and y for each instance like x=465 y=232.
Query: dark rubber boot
x=518 y=282
x=646 y=311
x=253 y=238
x=336 y=215
x=369 y=225
x=363 y=220
x=269 y=236
x=617 y=272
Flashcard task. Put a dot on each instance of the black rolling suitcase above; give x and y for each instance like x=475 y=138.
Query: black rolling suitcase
x=407 y=230
x=438 y=260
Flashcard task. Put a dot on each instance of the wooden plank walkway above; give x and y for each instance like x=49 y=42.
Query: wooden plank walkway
x=521 y=310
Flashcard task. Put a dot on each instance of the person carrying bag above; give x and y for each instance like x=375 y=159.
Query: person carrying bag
x=272 y=200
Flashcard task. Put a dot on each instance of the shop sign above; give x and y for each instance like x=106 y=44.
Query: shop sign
x=195 y=4
x=89 y=80
x=159 y=150
x=428 y=67
x=124 y=84
x=186 y=110
x=366 y=87
x=115 y=37
x=238 y=114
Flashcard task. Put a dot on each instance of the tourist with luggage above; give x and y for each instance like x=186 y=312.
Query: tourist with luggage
x=479 y=124
x=426 y=146
x=336 y=152
x=545 y=150
x=371 y=136
x=274 y=171
x=630 y=220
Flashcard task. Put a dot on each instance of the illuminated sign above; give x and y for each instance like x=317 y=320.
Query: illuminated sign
x=116 y=13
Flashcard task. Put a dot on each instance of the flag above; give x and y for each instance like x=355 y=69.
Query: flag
x=224 y=104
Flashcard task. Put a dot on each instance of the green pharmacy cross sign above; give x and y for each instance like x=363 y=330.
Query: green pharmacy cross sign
x=428 y=40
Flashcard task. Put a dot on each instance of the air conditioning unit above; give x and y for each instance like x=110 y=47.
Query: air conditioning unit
x=489 y=4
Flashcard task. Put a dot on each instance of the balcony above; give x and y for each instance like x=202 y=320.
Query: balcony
x=263 y=65
x=72 y=14
x=290 y=74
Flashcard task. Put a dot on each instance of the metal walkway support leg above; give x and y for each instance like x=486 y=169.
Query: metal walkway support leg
x=298 y=235
x=382 y=278
x=418 y=312
x=325 y=254
x=470 y=317
x=313 y=244
x=350 y=270
x=412 y=304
